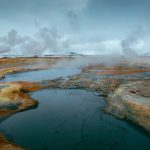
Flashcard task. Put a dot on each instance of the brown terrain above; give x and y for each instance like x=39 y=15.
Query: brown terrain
x=126 y=89
x=6 y=145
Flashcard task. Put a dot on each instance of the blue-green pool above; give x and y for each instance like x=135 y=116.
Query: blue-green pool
x=71 y=120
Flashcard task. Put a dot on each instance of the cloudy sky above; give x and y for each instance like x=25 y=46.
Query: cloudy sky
x=81 y=26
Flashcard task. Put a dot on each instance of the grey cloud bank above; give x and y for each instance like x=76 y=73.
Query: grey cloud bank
x=83 y=26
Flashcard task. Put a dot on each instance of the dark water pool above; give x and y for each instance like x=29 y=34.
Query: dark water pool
x=71 y=120
x=39 y=75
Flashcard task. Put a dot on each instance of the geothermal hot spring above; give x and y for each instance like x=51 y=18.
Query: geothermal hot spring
x=69 y=120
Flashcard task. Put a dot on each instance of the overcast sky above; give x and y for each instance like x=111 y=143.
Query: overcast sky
x=82 y=26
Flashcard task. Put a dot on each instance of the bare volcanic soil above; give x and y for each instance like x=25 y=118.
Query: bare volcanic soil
x=6 y=145
x=131 y=102
x=125 y=87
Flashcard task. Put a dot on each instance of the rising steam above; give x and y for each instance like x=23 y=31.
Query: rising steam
x=44 y=41
x=129 y=44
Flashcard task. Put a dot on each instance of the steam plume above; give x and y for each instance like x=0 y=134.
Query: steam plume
x=129 y=44
x=44 y=41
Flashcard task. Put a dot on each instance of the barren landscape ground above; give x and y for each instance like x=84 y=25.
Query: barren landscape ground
x=125 y=87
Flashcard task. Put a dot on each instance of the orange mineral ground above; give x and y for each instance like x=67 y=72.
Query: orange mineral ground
x=121 y=72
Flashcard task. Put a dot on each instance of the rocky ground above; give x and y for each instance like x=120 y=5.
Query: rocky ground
x=125 y=87
x=131 y=102
x=6 y=145
x=126 y=90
